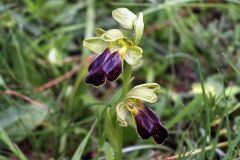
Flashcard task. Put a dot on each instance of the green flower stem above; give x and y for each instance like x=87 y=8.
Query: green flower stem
x=119 y=136
x=127 y=71
x=119 y=130
x=126 y=79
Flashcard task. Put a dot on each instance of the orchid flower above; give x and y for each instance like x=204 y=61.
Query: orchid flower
x=113 y=48
x=146 y=121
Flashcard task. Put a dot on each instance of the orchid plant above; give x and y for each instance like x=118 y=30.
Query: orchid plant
x=118 y=54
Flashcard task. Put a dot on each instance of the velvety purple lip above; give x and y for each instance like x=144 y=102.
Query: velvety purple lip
x=148 y=124
x=99 y=60
x=106 y=66
x=113 y=66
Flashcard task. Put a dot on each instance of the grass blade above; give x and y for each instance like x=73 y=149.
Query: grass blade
x=13 y=147
x=78 y=153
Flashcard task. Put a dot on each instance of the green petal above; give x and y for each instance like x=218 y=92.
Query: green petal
x=122 y=113
x=124 y=17
x=114 y=46
x=112 y=35
x=95 y=44
x=133 y=55
x=153 y=86
x=99 y=31
x=145 y=92
x=139 y=27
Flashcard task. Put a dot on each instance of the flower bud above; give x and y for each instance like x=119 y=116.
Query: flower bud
x=124 y=17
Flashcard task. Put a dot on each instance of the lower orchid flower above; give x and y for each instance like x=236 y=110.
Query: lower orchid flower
x=112 y=48
x=146 y=121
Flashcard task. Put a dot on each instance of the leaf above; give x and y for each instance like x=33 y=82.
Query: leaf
x=78 y=153
x=109 y=153
x=20 y=121
x=2 y=82
x=3 y=158
x=185 y=111
x=109 y=128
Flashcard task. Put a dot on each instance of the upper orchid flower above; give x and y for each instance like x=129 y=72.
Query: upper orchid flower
x=146 y=120
x=113 y=47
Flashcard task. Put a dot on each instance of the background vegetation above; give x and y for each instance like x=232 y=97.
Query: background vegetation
x=191 y=48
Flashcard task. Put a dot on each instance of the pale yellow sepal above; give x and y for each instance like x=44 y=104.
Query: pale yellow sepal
x=145 y=92
x=95 y=44
x=99 y=44
x=112 y=35
x=153 y=86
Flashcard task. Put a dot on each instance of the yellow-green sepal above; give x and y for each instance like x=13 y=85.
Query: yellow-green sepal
x=112 y=35
x=145 y=92
x=153 y=86
x=95 y=44
x=99 y=44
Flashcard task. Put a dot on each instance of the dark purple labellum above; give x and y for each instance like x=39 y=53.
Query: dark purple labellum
x=148 y=124
x=159 y=133
x=144 y=126
x=96 y=77
x=113 y=66
x=104 y=67
x=99 y=60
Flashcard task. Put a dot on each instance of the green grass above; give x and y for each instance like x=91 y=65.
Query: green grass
x=187 y=44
